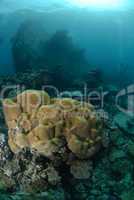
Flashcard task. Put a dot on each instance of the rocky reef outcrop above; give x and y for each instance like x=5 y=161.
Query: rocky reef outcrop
x=34 y=48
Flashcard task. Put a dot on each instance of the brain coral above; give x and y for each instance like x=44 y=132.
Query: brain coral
x=52 y=126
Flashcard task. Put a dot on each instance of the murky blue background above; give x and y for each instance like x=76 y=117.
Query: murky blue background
x=106 y=34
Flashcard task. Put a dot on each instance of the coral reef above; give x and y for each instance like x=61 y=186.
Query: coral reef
x=59 y=132
x=62 y=172
x=36 y=79
x=25 y=170
x=36 y=121
x=39 y=78
x=77 y=167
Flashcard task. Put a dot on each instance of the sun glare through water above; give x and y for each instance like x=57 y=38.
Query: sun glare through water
x=98 y=4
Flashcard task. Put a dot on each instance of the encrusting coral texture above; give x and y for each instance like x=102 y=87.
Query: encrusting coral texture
x=60 y=129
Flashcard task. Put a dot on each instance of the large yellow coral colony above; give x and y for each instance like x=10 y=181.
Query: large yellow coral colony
x=47 y=125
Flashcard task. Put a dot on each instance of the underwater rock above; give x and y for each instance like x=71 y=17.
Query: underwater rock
x=128 y=195
x=81 y=169
x=27 y=44
x=131 y=148
x=125 y=123
x=37 y=50
x=116 y=154
x=5 y=152
x=6 y=183
x=28 y=172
